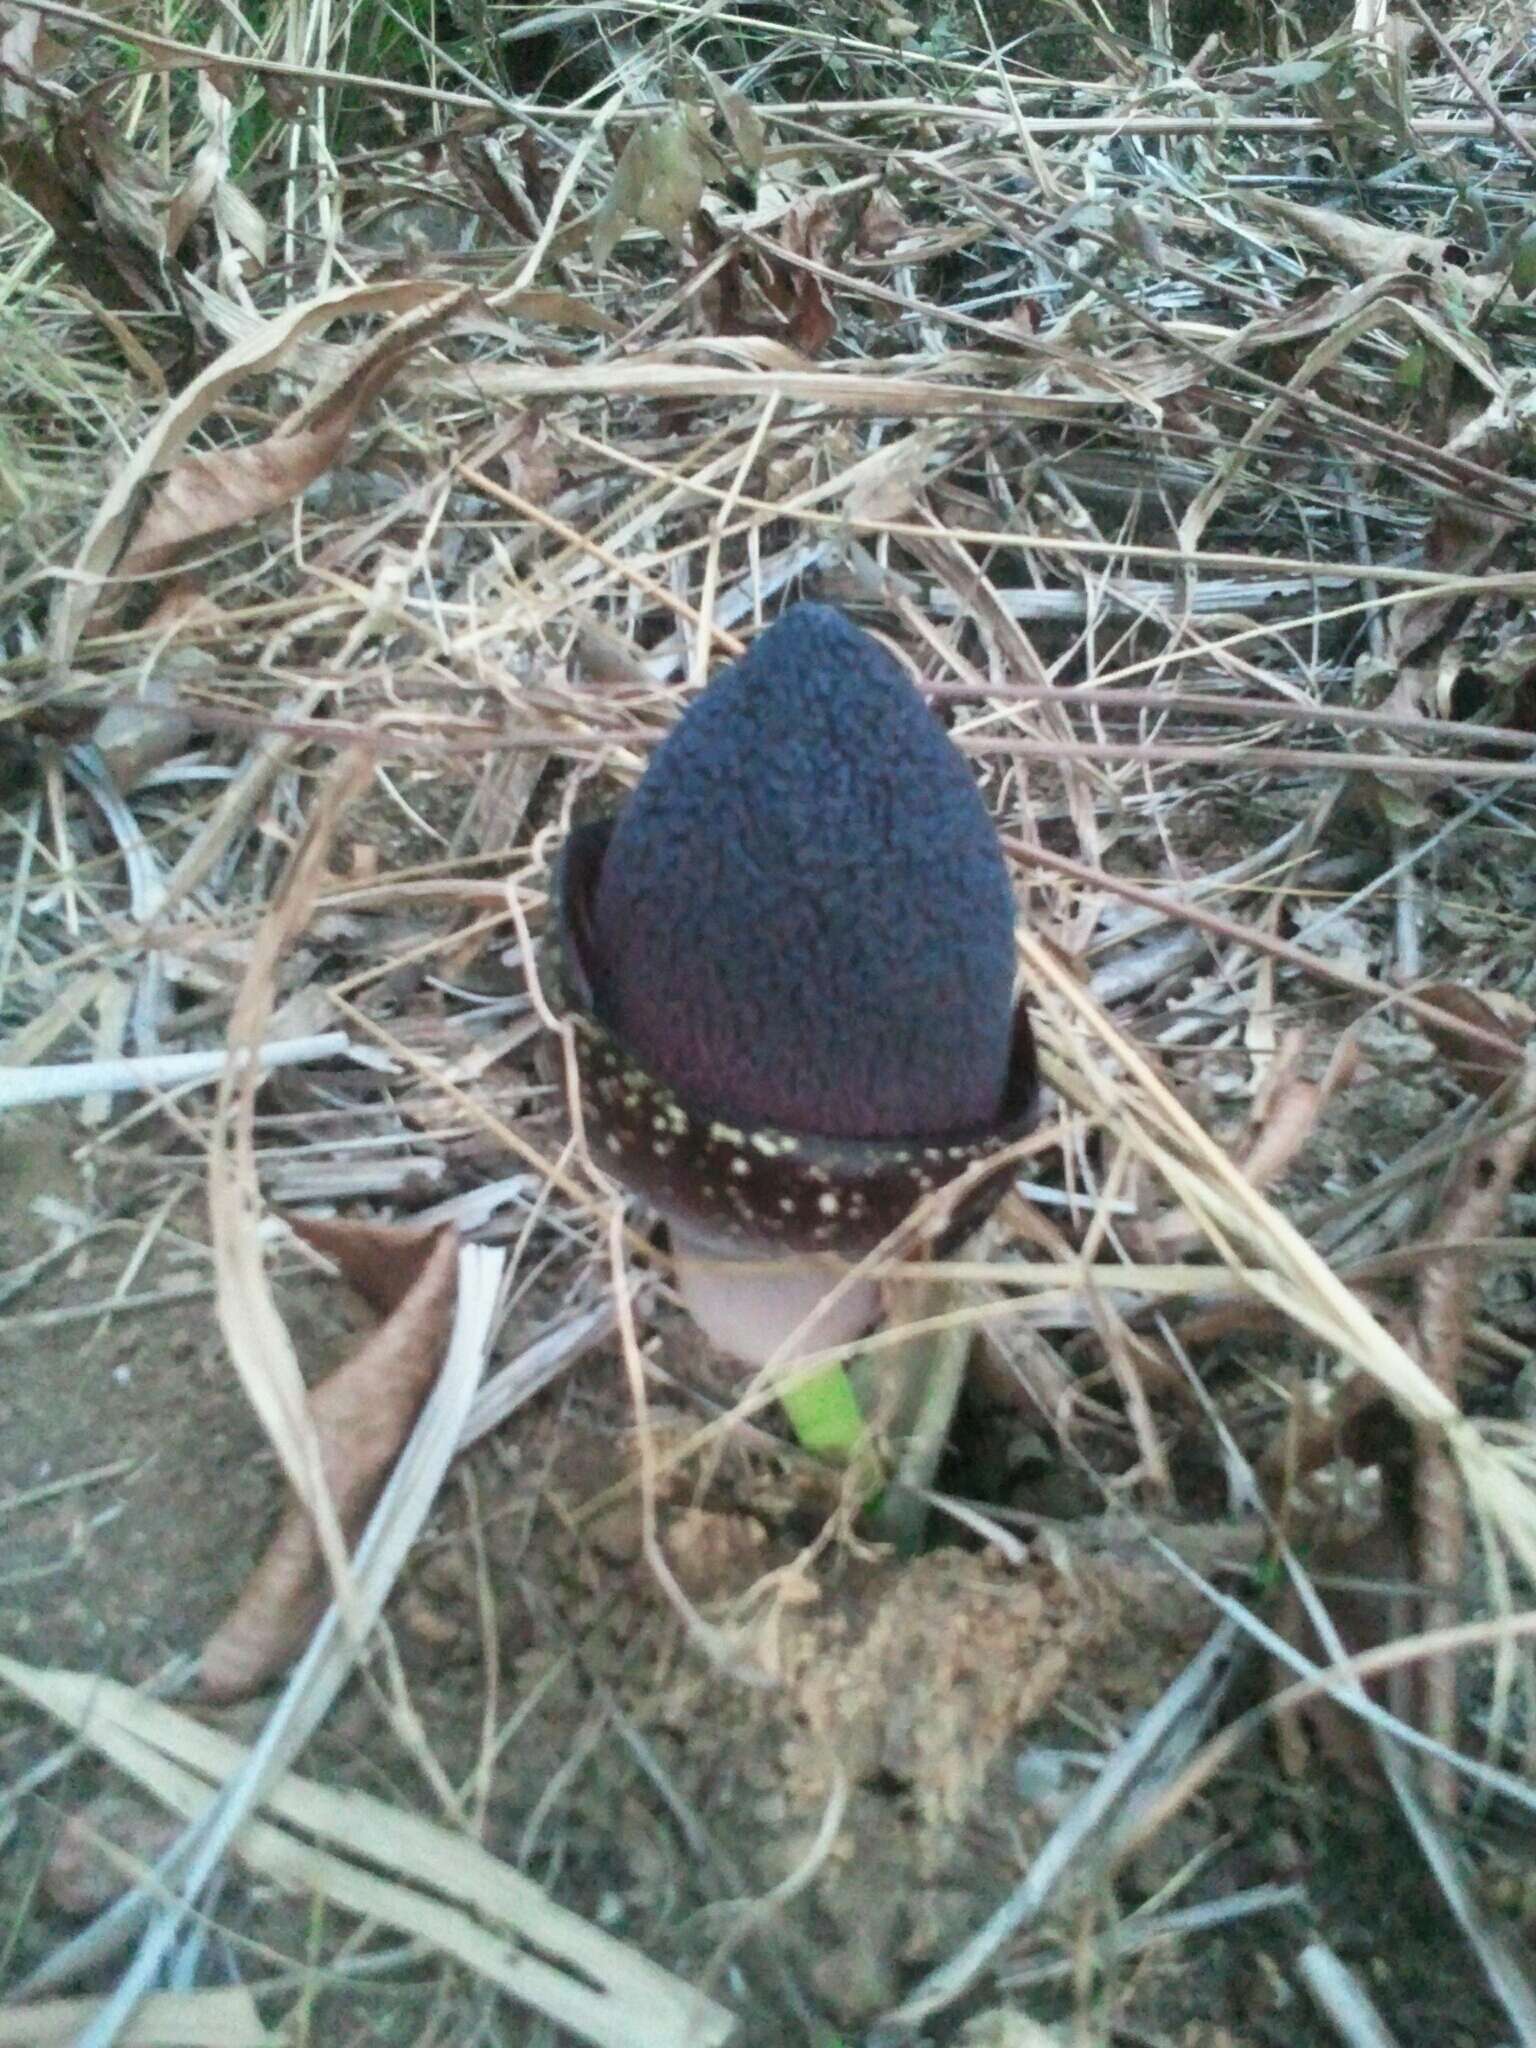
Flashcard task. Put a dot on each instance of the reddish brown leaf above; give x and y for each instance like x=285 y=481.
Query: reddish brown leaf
x=381 y=1260
x=1476 y=1066
x=205 y=494
x=208 y=493
x=363 y=1414
x=806 y=232
x=489 y=172
x=882 y=225
x=82 y=1876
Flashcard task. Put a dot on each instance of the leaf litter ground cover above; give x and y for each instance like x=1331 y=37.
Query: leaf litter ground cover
x=402 y=419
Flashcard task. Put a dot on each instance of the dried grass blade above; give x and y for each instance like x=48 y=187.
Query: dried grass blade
x=225 y=2018
x=254 y=1332
x=72 y=1079
x=322 y=1671
x=1175 y=1720
x=104 y=538
x=574 y=1973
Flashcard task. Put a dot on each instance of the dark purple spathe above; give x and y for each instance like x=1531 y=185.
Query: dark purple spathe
x=803 y=918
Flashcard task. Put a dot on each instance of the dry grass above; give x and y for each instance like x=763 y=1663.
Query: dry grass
x=398 y=425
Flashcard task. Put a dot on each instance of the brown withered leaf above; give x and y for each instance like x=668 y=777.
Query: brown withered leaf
x=381 y=1261
x=720 y=292
x=82 y=1875
x=99 y=553
x=362 y=1413
x=882 y=225
x=1373 y=251
x=285 y=97
x=140 y=733
x=1476 y=1065
x=558 y=309
x=1457 y=544
x=125 y=189
x=492 y=173
x=206 y=494
x=115 y=273
x=812 y=321
x=527 y=457
x=743 y=123
x=659 y=181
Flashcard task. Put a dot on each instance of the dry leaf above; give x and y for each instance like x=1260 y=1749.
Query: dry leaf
x=486 y=168
x=659 y=181
x=1457 y=544
x=1475 y=1065
x=527 y=457
x=18 y=63
x=882 y=225
x=210 y=167
x=83 y=1876
x=558 y=309
x=113 y=272
x=743 y=122
x=362 y=1415
x=269 y=344
x=207 y=494
x=806 y=231
x=126 y=191
x=1373 y=251
x=142 y=732
x=380 y=1261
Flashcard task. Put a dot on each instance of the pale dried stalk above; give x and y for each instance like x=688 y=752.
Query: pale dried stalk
x=257 y=1338
x=1470 y=1211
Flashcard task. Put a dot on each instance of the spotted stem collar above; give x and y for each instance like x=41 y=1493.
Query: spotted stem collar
x=755 y=1189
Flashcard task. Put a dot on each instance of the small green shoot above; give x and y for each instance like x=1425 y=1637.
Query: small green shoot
x=824 y=1413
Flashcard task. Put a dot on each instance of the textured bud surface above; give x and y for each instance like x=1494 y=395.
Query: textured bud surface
x=803 y=917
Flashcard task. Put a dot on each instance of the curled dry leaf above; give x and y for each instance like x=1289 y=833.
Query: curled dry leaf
x=208 y=179
x=743 y=122
x=116 y=274
x=125 y=189
x=1477 y=1067
x=270 y=344
x=882 y=225
x=206 y=494
x=1374 y=251
x=806 y=232
x=526 y=456
x=487 y=169
x=659 y=181
x=362 y=1414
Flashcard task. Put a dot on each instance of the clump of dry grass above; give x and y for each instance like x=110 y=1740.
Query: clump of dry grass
x=455 y=408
